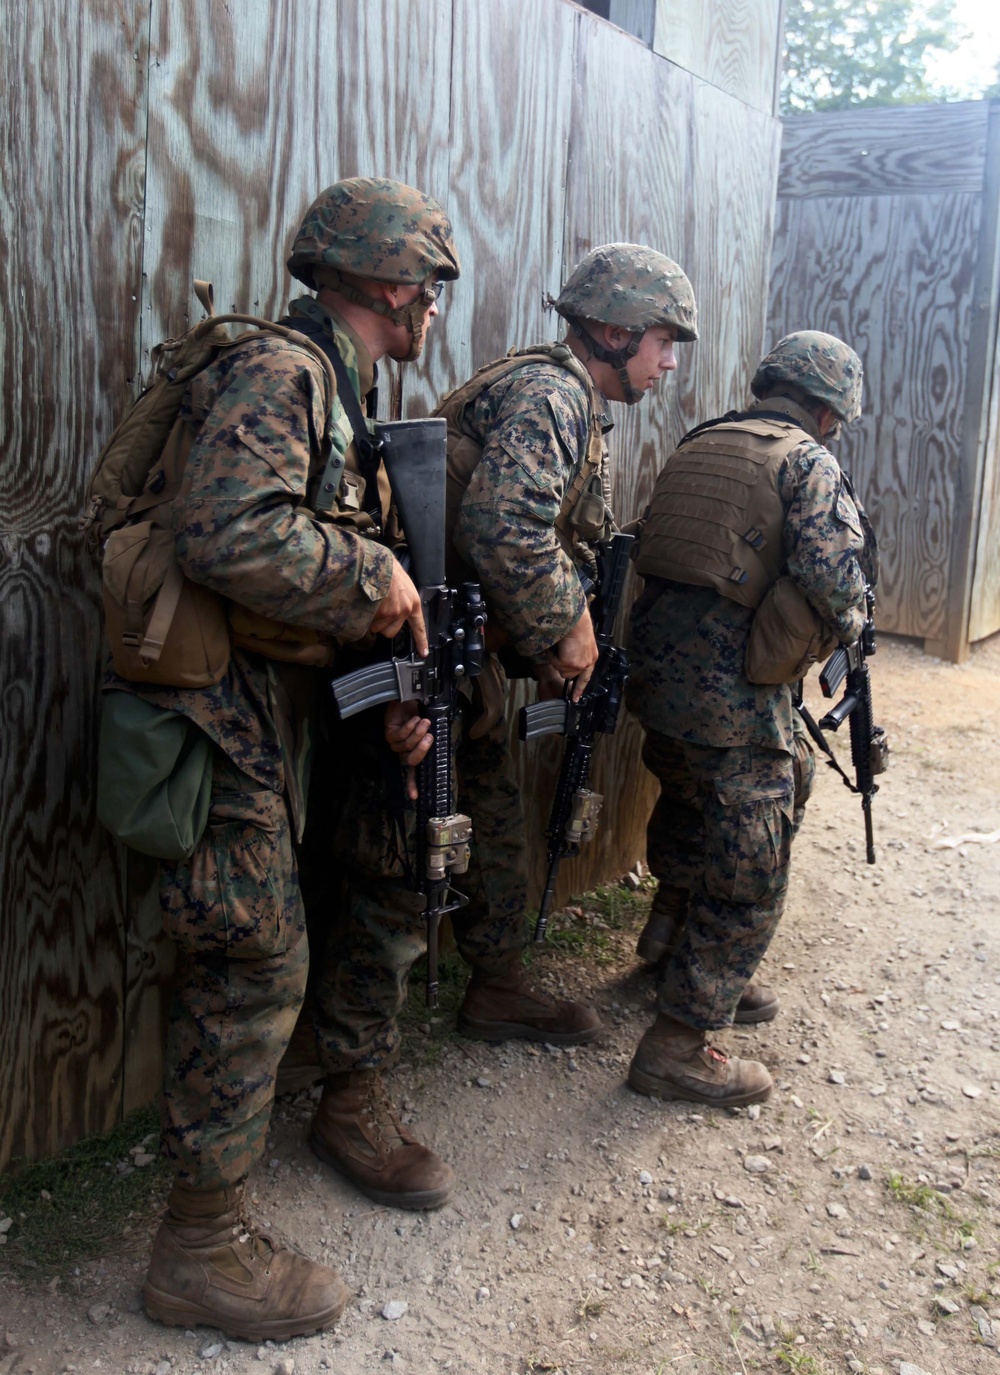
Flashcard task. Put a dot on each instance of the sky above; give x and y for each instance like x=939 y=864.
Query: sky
x=972 y=66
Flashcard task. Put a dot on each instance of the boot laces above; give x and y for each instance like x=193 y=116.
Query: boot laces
x=248 y=1233
x=714 y=1054
x=382 y=1115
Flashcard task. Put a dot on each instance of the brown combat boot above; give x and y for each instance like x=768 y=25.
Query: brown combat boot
x=299 y=1067
x=666 y=920
x=209 y=1266
x=357 y=1132
x=758 y=1004
x=676 y=1061
x=501 y=1006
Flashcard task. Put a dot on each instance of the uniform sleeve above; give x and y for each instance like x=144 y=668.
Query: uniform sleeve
x=506 y=523
x=824 y=538
x=240 y=522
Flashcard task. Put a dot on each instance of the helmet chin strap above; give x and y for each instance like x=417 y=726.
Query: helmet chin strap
x=615 y=358
x=412 y=315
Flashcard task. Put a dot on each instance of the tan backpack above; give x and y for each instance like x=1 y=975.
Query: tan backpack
x=163 y=628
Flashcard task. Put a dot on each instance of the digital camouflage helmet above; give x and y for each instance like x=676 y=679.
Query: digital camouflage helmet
x=631 y=286
x=377 y=230
x=820 y=366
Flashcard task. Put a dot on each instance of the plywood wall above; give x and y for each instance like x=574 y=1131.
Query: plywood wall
x=883 y=236
x=732 y=44
x=185 y=139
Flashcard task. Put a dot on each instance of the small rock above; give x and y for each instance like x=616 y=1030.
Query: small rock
x=482 y=1293
x=6 y=1223
x=645 y=1177
x=286 y=1366
x=724 y=1252
x=836 y=1210
x=142 y=1158
x=98 y=1312
x=837 y=1076
x=209 y=1353
x=632 y=882
x=483 y=1082
x=394 y=1309
x=908 y=1368
x=805 y=1058
x=950 y=1272
x=756 y=1164
x=516 y=1221
x=928 y=1329
x=163 y=1368
x=865 y=1172
x=971 y=1091
x=753 y=1112
x=947 y=1307
x=773 y=1143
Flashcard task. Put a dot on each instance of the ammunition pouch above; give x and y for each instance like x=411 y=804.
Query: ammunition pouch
x=786 y=636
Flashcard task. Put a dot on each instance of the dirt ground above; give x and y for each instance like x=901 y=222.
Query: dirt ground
x=850 y=1224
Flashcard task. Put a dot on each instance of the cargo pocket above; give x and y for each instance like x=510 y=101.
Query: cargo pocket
x=748 y=831
x=229 y=897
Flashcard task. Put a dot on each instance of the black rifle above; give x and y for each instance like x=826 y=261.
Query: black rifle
x=575 y=808
x=869 y=745
x=414 y=455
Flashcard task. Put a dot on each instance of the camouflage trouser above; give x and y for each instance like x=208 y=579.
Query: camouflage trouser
x=376 y=931
x=722 y=831
x=235 y=913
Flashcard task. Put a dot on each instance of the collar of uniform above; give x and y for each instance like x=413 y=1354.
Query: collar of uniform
x=356 y=355
x=797 y=414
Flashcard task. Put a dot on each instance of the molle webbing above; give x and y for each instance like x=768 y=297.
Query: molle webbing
x=465 y=449
x=716 y=519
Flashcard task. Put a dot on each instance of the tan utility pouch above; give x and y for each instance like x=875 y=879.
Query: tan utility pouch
x=277 y=640
x=787 y=636
x=162 y=627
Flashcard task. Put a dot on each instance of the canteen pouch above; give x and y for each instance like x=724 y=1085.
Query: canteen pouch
x=162 y=628
x=787 y=636
x=289 y=644
x=154 y=777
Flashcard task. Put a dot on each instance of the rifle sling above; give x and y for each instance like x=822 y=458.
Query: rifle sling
x=813 y=728
x=366 y=446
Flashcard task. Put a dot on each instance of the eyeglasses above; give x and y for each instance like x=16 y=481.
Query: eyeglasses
x=431 y=290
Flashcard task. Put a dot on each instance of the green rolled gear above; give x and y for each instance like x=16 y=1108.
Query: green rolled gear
x=381 y=230
x=632 y=286
x=816 y=365
x=154 y=776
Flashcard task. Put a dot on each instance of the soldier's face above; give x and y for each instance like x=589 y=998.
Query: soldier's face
x=654 y=357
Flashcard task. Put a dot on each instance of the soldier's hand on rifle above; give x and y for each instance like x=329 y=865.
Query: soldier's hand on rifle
x=401 y=606
x=576 y=654
x=408 y=734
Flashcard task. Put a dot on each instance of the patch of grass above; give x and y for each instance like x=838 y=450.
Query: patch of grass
x=919 y=1196
x=78 y=1206
x=675 y=1226
x=795 y=1358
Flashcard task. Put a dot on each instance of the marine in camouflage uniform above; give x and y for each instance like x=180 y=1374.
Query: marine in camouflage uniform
x=264 y=431
x=522 y=510
x=734 y=765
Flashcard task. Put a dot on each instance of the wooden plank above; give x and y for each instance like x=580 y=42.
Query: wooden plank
x=509 y=138
x=933 y=148
x=254 y=110
x=892 y=276
x=733 y=44
x=976 y=586
x=71 y=226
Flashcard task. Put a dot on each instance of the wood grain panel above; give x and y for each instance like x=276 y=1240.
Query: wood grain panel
x=510 y=130
x=253 y=110
x=734 y=44
x=985 y=612
x=70 y=270
x=60 y=921
x=892 y=275
x=935 y=148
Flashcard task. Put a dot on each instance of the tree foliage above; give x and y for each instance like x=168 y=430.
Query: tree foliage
x=842 y=53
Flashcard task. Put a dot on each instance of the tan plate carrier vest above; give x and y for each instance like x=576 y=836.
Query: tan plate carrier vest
x=716 y=519
x=583 y=514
